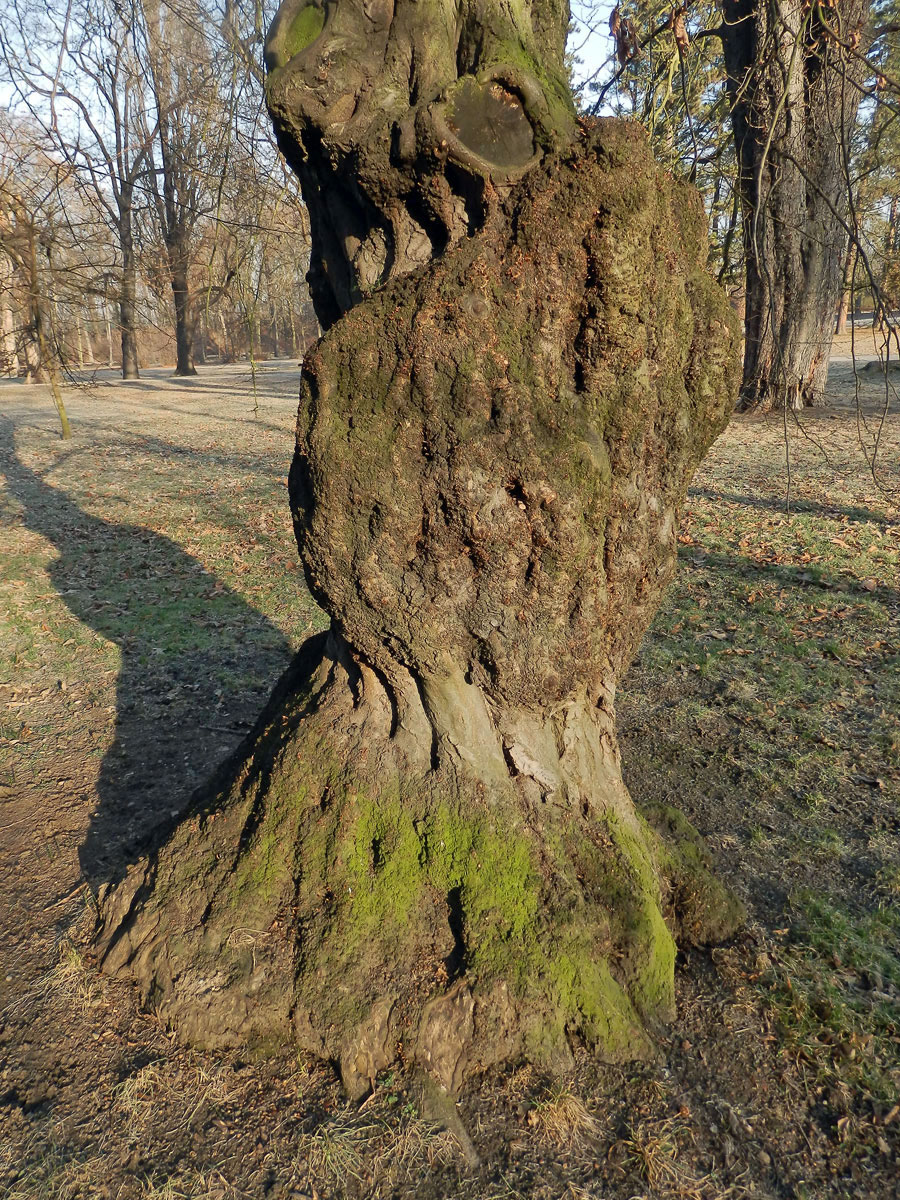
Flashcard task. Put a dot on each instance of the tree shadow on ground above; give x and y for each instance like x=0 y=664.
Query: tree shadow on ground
x=197 y=662
x=809 y=577
x=795 y=506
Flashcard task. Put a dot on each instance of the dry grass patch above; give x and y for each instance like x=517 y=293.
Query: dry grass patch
x=47 y=1170
x=373 y=1153
x=70 y=984
x=651 y=1150
x=556 y=1116
x=563 y=1120
x=193 y=1185
x=182 y=1092
x=337 y=1150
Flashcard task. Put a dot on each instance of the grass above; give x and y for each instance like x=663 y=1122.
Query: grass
x=46 y=1169
x=652 y=1149
x=765 y=701
x=782 y=630
x=372 y=1149
x=836 y=994
x=69 y=984
x=562 y=1119
x=191 y=1184
x=187 y=1092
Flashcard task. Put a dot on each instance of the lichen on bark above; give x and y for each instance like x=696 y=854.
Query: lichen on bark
x=426 y=847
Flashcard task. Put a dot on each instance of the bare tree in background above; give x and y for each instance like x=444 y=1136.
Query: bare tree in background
x=157 y=111
x=193 y=116
x=30 y=208
x=795 y=75
x=77 y=67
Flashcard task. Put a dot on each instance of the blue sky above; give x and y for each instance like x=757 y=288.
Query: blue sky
x=592 y=47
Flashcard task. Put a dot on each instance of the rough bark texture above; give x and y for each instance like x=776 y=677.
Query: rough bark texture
x=426 y=847
x=128 y=289
x=793 y=83
x=401 y=118
x=184 y=314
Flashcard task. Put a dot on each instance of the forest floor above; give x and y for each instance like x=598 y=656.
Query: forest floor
x=150 y=596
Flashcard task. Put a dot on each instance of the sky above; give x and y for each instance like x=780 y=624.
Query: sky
x=593 y=46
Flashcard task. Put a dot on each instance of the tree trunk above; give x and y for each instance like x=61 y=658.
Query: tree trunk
x=427 y=840
x=889 y=284
x=109 y=337
x=276 y=344
x=184 y=316
x=127 y=291
x=127 y=309
x=295 y=349
x=46 y=350
x=85 y=345
x=226 y=354
x=201 y=335
x=9 y=356
x=846 y=288
x=794 y=91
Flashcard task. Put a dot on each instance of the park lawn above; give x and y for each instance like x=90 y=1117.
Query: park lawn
x=150 y=597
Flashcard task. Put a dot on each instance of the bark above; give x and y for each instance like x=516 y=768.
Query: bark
x=397 y=161
x=41 y=336
x=184 y=315
x=794 y=88
x=201 y=336
x=9 y=356
x=846 y=288
x=109 y=338
x=889 y=284
x=427 y=839
x=128 y=288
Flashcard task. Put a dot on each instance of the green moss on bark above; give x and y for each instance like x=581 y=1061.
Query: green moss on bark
x=491 y=453
x=303 y=30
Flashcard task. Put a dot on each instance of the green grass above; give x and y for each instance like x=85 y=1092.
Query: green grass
x=795 y=660
x=764 y=700
x=836 y=993
x=770 y=680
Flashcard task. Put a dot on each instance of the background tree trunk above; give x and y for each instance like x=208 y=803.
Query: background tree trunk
x=128 y=288
x=427 y=838
x=9 y=355
x=793 y=83
x=846 y=288
x=184 y=315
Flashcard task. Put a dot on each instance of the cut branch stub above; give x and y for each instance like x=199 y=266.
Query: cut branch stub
x=401 y=118
x=485 y=125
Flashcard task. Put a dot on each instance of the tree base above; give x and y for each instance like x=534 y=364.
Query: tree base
x=349 y=883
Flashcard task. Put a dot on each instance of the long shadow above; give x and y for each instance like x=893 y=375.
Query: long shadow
x=797 y=577
x=197 y=662
x=777 y=504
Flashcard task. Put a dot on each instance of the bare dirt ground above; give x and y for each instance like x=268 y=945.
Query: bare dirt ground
x=149 y=597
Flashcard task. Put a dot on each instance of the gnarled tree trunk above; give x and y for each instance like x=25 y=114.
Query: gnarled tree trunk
x=794 y=75
x=427 y=841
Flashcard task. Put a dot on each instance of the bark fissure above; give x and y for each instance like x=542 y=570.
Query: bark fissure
x=794 y=89
x=427 y=838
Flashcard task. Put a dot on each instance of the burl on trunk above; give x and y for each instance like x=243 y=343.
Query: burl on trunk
x=426 y=849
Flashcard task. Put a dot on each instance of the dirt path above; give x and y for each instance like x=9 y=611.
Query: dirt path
x=149 y=597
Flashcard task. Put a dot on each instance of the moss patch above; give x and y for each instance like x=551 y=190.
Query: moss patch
x=303 y=30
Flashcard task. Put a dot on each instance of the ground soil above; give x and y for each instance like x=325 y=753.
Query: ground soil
x=150 y=597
